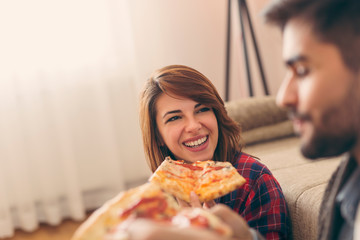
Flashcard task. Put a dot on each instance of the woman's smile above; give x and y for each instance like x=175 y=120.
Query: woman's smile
x=196 y=143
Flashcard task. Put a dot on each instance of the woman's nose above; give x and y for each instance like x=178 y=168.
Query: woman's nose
x=192 y=124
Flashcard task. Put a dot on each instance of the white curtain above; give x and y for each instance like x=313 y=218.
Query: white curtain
x=68 y=109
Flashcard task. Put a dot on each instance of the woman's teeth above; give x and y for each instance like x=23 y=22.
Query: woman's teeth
x=196 y=143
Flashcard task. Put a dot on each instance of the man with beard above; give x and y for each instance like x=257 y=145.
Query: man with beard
x=321 y=49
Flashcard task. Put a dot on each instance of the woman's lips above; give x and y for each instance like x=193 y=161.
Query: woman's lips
x=198 y=144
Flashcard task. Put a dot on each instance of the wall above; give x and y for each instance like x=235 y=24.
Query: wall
x=194 y=33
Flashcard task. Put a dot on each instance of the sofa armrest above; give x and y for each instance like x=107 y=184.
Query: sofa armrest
x=260 y=119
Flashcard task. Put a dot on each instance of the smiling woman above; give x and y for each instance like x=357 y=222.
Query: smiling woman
x=183 y=116
x=184 y=104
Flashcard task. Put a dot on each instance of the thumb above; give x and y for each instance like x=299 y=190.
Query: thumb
x=194 y=200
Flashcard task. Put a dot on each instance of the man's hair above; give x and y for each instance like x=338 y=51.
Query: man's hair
x=332 y=21
x=185 y=82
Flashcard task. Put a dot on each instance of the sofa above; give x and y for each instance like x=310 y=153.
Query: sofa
x=268 y=134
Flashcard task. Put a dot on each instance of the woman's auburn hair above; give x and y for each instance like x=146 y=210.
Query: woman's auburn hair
x=186 y=82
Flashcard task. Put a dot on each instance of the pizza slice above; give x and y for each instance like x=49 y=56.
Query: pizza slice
x=208 y=179
x=217 y=179
x=111 y=220
x=147 y=201
x=176 y=178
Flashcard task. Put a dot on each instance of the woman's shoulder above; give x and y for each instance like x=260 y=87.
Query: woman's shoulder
x=247 y=159
x=247 y=164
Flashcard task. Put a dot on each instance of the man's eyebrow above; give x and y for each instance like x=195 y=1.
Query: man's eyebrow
x=293 y=60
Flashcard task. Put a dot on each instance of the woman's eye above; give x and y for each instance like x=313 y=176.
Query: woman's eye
x=172 y=119
x=204 y=109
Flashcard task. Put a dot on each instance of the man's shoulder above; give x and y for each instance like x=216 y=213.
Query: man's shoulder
x=328 y=201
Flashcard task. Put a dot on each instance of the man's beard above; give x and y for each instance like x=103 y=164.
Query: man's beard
x=337 y=132
x=328 y=144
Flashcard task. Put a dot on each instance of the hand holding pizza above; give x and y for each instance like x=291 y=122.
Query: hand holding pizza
x=193 y=184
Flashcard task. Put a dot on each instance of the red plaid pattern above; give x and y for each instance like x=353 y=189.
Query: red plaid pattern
x=260 y=200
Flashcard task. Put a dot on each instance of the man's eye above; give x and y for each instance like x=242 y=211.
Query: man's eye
x=301 y=71
x=204 y=109
x=172 y=119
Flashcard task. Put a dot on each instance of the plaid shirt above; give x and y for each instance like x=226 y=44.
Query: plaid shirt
x=260 y=200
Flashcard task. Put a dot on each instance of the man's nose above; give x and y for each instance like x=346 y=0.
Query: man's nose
x=287 y=95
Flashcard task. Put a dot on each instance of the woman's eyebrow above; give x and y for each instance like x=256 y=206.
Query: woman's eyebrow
x=179 y=111
x=197 y=105
x=171 y=112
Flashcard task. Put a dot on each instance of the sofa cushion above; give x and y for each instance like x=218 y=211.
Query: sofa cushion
x=269 y=132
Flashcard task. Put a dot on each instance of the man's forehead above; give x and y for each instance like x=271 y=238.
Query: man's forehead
x=298 y=39
x=301 y=44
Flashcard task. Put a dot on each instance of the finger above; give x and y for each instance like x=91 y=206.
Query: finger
x=182 y=203
x=209 y=204
x=194 y=200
